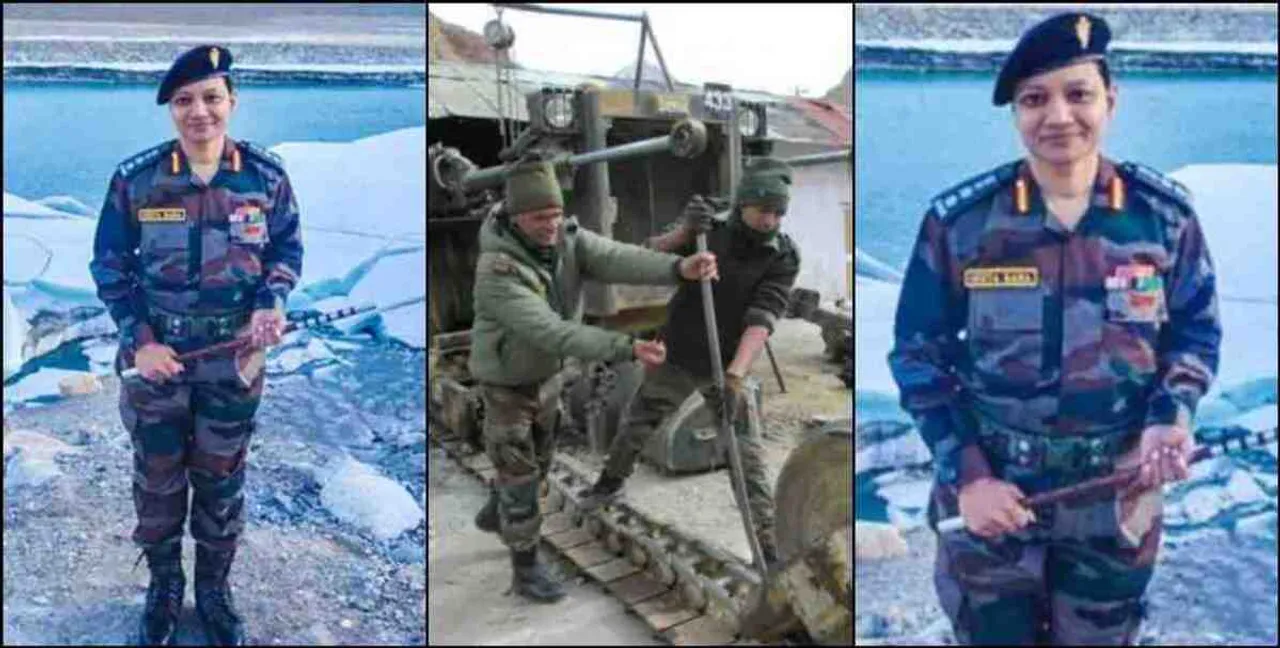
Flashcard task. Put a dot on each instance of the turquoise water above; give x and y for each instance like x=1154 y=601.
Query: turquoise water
x=919 y=133
x=62 y=138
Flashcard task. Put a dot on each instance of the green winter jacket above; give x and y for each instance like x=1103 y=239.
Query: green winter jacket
x=527 y=322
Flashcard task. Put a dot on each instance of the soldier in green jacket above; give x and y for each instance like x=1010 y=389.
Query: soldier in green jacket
x=527 y=307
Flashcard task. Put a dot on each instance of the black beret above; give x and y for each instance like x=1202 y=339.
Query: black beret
x=196 y=64
x=1062 y=40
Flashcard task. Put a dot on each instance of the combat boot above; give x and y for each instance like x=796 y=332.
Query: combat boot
x=222 y=624
x=487 y=518
x=605 y=490
x=531 y=580
x=159 y=623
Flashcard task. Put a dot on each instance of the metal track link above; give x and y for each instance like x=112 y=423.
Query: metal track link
x=686 y=590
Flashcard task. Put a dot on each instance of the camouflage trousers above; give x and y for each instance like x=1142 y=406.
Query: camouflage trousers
x=194 y=428
x=663 y=391
x=520 y=426
x=1076 y=576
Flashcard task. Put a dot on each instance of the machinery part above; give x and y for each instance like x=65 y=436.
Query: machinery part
x=688 y=138
x=723 y=417
x=773 y=362
x=813 y=588
x=812 y=495
x=835 y=319
x=684 y=588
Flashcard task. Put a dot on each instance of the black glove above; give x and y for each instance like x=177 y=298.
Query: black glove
x=698 y=214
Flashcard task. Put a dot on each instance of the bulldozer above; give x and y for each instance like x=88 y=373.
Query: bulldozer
x=627 y=160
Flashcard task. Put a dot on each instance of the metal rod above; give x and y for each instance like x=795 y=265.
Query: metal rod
x=568 y=12
x=768 y=348
x=726 y=432
x=842 y=155
x=654 y=38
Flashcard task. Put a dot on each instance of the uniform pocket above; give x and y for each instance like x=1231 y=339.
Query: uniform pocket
x=164 y=251
x=1006 y=333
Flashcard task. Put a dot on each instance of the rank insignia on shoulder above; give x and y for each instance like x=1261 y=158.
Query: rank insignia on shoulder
x=951 y=202
x=1010 y=277
x=178 y=215
x=1158 y=182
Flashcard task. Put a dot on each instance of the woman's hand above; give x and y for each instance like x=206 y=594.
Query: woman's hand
x=1163 y=453
x=266 y=327
x=157 y=362
x=991 y=507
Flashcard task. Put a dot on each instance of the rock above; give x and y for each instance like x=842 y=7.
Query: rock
x=35 y=445
x=80 y=384
x=358 y=495
x=877 y=541
x=26 y=470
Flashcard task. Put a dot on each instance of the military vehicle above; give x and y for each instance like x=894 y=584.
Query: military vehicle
x=628 y=159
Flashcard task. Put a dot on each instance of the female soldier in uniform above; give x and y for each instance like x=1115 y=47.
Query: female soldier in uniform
x=197 y=243
x=1058 y=320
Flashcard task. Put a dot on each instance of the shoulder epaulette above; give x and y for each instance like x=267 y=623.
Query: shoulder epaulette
x=263 y=155
x=136 y=163
x=958 y=198
x=1158 y=182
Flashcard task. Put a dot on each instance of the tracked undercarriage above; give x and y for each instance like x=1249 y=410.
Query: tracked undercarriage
x=687 y=590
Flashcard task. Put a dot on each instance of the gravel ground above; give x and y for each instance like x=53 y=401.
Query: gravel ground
x=301 y=575
x=1212 y=587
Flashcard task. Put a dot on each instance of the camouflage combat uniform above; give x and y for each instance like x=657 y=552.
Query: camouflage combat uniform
x=184 y=263
x=1074 y=341
x=526 y=318
x=754 y=289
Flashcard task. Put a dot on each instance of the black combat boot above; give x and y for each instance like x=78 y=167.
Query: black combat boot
x=487 y=518
x=222 y=624
x=530 y=578
x=159 y=623
x=605 y=490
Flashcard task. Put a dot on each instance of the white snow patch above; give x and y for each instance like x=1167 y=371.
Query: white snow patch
x=357 y=494
x=15 y=332
x=41 y=383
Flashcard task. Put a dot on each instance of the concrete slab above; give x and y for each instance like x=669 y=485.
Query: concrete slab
x=469 y=571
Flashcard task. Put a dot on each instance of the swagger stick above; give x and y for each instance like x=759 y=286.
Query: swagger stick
x=1230 y=439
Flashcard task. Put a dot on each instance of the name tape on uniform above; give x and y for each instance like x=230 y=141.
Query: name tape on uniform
x=1001 y=277
x=178 y=215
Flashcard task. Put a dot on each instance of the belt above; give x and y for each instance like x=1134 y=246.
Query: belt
x=176 y=325
x=1064 y=454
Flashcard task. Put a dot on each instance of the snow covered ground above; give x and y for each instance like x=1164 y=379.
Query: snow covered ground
x=1227 y=500
x=363 y=212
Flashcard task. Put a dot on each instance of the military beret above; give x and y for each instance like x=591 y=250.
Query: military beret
x=532 y=186
x=196 y=64
x=1062 y=40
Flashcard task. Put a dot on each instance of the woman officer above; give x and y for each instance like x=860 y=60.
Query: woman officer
x=1058 y=319
x=198 y=242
